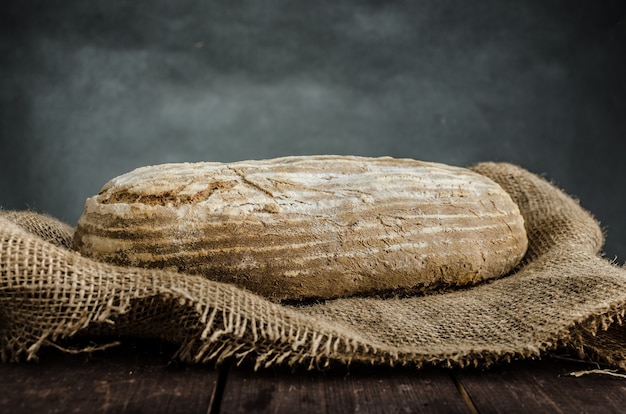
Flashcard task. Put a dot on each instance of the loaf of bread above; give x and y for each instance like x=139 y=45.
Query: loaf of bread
x=308 y=227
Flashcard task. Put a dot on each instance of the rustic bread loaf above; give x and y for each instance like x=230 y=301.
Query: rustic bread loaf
x=308 y=227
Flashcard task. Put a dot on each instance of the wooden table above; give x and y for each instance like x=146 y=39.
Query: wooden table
x=139 y=377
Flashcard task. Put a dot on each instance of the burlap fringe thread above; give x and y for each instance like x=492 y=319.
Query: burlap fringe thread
x=563 y=296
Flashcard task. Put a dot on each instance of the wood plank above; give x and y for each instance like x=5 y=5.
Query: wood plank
x=140 y=378
x=542 y=387
x=356 y=389
x=128 y=378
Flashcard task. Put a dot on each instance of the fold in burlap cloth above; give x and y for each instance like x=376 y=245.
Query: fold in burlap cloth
x=563 y=295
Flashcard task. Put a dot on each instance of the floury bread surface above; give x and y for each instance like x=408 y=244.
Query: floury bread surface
x=308 y=227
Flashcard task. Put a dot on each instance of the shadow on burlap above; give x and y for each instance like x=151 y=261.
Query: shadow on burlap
x=564 y=295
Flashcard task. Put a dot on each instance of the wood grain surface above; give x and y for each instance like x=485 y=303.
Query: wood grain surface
x=139 y=377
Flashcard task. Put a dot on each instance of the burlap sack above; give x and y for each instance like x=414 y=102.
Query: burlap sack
x=563 y=295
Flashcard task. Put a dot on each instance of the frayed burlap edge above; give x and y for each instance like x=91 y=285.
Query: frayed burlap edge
x=563 y=296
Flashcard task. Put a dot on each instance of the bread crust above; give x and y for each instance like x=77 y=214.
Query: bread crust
x=308 y=227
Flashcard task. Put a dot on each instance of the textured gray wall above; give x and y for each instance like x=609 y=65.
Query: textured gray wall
x=92 y=89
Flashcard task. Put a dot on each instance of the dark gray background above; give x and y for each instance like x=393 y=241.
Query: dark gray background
x=93 y=89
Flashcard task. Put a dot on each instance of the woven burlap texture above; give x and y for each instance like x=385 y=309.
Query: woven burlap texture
x=563 y=296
